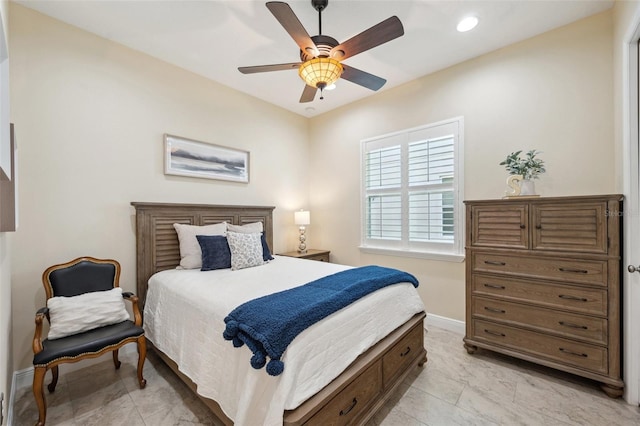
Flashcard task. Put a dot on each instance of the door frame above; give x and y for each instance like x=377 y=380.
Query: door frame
x=631 y=188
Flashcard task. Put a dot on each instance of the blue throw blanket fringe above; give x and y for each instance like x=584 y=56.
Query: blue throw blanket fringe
x=268 y=324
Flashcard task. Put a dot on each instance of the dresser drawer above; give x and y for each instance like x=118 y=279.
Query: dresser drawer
x=568 y=270
x=577 y=299
x=581 y=355
x=580 y=327
x=346 y=406
x=402 y=354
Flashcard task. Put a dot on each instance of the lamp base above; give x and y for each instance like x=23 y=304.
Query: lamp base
x=302 y=246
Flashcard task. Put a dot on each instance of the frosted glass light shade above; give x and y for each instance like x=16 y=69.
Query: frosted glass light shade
x=320 y=72
x=302 y=217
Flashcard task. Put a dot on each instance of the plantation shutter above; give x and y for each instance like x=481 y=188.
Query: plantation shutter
x=409 y=189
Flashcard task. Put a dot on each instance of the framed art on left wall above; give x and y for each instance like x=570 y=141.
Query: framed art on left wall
x=8 y=187
x=187 y=157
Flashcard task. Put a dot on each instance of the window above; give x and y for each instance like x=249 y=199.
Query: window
x=412 y=192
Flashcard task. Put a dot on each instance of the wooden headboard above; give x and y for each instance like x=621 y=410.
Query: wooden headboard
x=157 y=246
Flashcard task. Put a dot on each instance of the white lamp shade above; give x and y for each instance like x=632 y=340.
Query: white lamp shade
x=303 y=217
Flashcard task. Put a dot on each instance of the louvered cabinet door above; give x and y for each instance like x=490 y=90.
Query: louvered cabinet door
x=499 y=225
x=576 y=227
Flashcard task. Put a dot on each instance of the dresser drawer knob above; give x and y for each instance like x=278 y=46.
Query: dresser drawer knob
x=575 y=271
x=494 y=333
x=498 y=311
x=349 y=408
x=569 y=297
x=494 y=262
x=568 y=324
x=406 y=352
x=522 y=226
x=499 y=287
x=568 y=352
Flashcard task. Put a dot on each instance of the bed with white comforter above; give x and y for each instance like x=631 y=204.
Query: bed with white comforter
x=184 y=318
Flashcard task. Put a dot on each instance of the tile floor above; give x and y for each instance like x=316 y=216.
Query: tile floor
x=453 y=388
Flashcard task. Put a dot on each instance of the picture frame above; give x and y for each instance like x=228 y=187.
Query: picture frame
x=8 y=188
x=188 y=157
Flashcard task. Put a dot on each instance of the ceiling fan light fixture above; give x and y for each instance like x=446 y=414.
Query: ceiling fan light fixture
x=320 y=72
x=467 y=24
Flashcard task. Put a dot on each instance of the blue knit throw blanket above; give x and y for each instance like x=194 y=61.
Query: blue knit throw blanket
x=268 y=324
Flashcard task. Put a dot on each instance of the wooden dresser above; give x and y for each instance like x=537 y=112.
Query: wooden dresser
x=543 y=283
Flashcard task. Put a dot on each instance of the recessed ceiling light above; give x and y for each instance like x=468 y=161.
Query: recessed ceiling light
x=310 y=109
x=467 y=24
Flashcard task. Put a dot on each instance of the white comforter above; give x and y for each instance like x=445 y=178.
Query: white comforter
x=184 y=317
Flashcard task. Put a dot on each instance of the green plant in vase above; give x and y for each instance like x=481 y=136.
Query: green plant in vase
x=529 y=167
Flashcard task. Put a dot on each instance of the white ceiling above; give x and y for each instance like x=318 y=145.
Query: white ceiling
x=214 y=38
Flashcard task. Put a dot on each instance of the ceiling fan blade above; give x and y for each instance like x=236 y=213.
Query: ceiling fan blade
x=284 y=14
x=362 y=78
x=381 y=33
x=308 y=94
x=267 y=68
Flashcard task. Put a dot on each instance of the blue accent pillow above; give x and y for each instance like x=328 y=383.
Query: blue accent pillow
x=266 y=253
x=215 y=252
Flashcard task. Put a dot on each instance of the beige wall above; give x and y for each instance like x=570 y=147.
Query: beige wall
x=552 y=93
x=6 y=356
x=90 y=116
x=623 y=14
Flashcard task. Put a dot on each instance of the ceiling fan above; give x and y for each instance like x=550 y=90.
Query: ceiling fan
x=321 y=56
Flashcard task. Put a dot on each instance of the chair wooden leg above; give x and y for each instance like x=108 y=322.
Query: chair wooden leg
x=115 y=359
x=142 y=355
x=54 y=379
x=38 y=393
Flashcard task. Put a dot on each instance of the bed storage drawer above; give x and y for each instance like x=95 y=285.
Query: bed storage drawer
x=402 y=354
x=576 y=354
x=346 y=406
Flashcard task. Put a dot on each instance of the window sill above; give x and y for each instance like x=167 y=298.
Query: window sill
x=416 y=254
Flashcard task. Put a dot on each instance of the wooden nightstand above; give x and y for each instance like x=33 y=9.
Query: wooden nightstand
x=311 y=254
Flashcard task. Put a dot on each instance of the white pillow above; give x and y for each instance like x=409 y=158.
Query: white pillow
x=190 y=252
x=246 y=250
x=73 y=315
x=249 y=228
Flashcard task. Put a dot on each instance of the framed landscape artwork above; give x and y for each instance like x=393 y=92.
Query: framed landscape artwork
x=187 y=157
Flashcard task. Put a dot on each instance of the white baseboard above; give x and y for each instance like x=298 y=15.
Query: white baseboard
x=17 y=382
x=20 y=379
x=449 y=324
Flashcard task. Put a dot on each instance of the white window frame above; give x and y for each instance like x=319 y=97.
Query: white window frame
x=454 y=251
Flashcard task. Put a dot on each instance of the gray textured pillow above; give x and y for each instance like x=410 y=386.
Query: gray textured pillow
x=246 y=250
x=249 y=228
x=190 y=252
x=72 y=315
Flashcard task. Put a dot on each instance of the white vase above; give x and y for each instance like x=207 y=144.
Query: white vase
x=527 y=187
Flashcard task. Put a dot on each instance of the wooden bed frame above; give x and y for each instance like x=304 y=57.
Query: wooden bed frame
x=351 y=398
